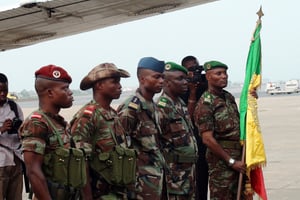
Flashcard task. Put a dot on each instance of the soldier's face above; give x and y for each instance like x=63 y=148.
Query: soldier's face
x=190 y=63
x=217 y=78
x=152 y=81
x=62 y=95
x=111 y=87
x=176 y=82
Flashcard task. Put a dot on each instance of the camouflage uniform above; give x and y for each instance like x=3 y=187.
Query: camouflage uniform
x=92 y=128
x=139 y=118
x=38 y=136
x=179 y=147
x=220 y=115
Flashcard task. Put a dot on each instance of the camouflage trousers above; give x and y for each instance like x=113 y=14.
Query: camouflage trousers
x=149 y=186
x=223 y=180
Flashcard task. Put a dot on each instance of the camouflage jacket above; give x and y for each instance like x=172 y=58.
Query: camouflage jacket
x=38 y=136
x=139 y=118
x=179 y=145
x=92 y=128
x=218 y=114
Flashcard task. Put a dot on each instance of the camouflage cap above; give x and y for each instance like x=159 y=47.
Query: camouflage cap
x=152 y=64
x=171 y=66
x=54 y=73
x=213 y=65
x=104 y=70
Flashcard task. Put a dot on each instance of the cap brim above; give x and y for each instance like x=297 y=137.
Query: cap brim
x=124 y=73
x=86 y=83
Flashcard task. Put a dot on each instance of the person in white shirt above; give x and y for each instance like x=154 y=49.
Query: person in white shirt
x=11 y=117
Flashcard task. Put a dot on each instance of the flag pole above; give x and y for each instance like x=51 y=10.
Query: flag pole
x=238 y=197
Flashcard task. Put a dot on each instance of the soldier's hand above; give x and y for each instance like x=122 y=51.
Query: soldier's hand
x=254 y=93
x=239 y=166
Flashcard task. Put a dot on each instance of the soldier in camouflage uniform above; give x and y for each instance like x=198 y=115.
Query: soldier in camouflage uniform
x=97 y=129
x=178 y=141
x=138 y=115
x=39 y=137
x=217 y=118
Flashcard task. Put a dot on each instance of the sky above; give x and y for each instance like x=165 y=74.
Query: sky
x=219 y=30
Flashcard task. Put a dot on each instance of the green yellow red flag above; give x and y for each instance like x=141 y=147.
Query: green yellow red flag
x=251 y=136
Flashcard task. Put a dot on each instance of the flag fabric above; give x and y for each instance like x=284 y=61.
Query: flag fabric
x=251 y=136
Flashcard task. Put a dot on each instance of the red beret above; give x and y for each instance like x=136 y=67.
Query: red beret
x=53 y=72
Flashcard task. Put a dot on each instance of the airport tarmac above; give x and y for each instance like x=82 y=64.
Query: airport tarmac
x=280 y=124
x=279 y=118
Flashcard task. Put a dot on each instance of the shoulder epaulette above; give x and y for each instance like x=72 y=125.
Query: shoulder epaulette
x=207 y=98
x=134 y=103
x=162 y=102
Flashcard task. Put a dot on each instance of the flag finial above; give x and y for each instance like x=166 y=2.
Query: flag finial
x=260 y=13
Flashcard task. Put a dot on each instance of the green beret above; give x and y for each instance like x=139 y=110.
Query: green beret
x=171 y=66
x=213 y=65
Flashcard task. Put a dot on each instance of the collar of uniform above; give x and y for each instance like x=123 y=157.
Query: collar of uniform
x=107 y=114
x=143 y=102
x=179 y=100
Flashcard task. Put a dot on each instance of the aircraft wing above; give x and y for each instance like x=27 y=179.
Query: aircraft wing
x=37 y=21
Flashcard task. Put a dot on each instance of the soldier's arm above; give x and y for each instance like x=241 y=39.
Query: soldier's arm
x=87 y=190
x=164 y=118
x=81 y=129
x=128 y=120
x=33 y=162
x=32 y=133
x=216 y=148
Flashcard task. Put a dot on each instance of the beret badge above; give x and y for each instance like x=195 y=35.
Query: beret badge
x=168 y=67
x=56 y=74
x=208 y=66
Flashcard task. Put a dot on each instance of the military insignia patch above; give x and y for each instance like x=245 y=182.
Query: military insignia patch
x=134 y=103
x=36 y=116
x=162 y=102
x=207 y=98
x=56 y=74
x=168 y=67
x=88 y=111
x=208 y=66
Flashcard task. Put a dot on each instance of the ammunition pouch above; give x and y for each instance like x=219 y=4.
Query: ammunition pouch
x=66 y=166
x=178 y=158
x=61 y=192
x=117 y=167
x=228 y=144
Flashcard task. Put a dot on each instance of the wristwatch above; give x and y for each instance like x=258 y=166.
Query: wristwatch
x=231 y=162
